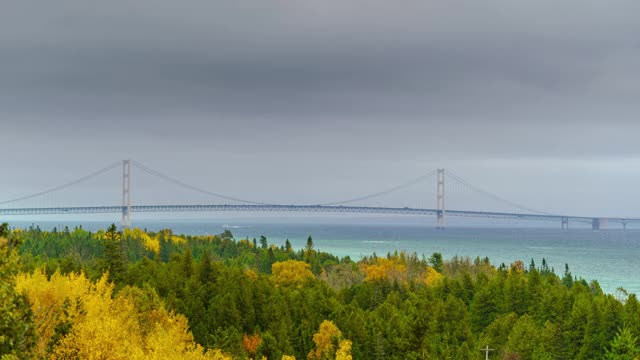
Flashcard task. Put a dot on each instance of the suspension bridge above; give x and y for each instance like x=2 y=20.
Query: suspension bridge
x=234 y=204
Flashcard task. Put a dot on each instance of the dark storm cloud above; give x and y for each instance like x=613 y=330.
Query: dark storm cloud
x=338 y=81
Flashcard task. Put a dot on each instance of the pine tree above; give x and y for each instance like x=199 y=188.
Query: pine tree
x=623 y=346
x=113 y=255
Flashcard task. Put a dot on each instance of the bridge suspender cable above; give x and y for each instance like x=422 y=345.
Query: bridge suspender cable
x=452 y=175
x=57 y=188
x=191 y=187
x=463 y=182
x=383 y=192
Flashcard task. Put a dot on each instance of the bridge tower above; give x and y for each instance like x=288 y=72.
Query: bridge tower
x=599 y=223
x=440 y=206
x=126 y=193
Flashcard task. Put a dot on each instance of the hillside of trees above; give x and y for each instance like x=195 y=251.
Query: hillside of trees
x=71 y=293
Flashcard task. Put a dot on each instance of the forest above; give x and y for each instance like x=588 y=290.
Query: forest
x=132 y=293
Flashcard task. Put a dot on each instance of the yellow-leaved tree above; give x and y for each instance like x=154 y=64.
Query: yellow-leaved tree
x=149 y=243
x=394 y=268
x=432 y=277
x=329 y=343
x=77 y=318
x=290 y=272
x=344 y=350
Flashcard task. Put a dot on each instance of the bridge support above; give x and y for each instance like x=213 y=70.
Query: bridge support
x=126 y=193
x=565 y=223
x=440 y=206
x=599 y=223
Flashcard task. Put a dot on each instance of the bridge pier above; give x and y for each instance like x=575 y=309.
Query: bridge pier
x=565 y=223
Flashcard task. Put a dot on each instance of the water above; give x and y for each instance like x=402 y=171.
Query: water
x=612 y=257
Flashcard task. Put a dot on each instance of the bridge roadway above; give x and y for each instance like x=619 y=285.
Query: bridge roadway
x=311 y=208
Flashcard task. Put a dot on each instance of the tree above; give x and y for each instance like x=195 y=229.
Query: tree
x=17 y=335
x=624 y=346
x=567 y=278
x=631 y=316
x=206 y=273
x=436 y=261
x=483 y=309
x=291 y=272
x=4 y=230
x=187 y=263
x=251 y=343
x=327 y=340
x=344 y=350
x=524 y=337
x=113 y=256
x=103 y=326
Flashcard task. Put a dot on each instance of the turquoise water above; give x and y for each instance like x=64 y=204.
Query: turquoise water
x=612 y=257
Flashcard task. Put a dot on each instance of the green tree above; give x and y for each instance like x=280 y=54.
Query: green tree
x=17 y=334
x=436 y=261
x=113 y=256
x=631 y=315
x=567 y=279
x=623 y=347
x=483 y=309
x=524 y=337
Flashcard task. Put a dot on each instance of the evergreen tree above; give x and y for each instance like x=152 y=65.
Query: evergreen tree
x=309 y=246
x=436 y=261
x=631 y=315
x=113 y=255
x=187 y=263
x=623 y=347
x=567 y=279
x=205 y=271
x=17 y=331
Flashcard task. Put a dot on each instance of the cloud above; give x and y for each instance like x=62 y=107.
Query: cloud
x=333 y=82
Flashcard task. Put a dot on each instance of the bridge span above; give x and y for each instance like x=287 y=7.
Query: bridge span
x=344 y=206
x=596 y=223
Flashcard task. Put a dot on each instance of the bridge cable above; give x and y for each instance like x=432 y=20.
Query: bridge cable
x=57 y=188
x=383 y=192
x=191 y=187
x=458 y=179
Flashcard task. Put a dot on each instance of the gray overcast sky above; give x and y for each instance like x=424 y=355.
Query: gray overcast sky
x=311 y=101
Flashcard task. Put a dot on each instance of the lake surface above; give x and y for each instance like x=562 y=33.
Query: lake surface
x=612 y=257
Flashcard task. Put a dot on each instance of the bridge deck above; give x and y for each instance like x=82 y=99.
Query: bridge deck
x=301 y=208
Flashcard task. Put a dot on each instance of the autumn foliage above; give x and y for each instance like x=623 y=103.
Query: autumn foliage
x=329 y=343
x=272 y=302
x=78 y=318
x=250 y=343
x=291 y=272
x=399 y=267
